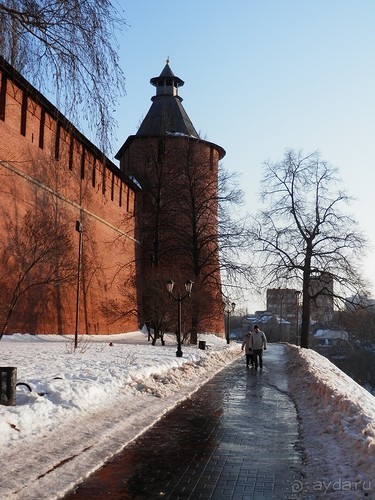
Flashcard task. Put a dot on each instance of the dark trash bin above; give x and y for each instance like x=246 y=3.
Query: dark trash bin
x=202 y=344
x=8 y=380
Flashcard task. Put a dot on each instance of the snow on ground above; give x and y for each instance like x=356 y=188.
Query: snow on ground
x=87 y=405
x=337 y=425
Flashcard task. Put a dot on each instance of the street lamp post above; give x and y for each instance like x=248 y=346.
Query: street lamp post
x=179 y=299
x=281 y=316
x=229 y=309
x=79 y=230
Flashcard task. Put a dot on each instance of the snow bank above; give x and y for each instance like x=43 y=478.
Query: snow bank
x=87 y=405
x=337 y=424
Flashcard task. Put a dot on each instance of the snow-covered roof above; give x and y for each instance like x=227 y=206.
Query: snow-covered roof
x=331 y=334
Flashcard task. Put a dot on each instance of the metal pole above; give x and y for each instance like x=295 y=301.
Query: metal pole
x=179 y=351
x=228 y=325
x=79 y=229
x=281 y=313
x=297 y=326
x=179 y=298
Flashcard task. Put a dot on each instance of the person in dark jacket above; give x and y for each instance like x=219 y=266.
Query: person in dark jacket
x=258 y=343
x=248 y=349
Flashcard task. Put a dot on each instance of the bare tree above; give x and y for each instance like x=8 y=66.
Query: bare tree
x=69 y=48
x=208 y=239
x=302 y=231
x=359 y=322
x=237 y=270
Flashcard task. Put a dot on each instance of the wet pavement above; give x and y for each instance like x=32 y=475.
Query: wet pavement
x=235 y=438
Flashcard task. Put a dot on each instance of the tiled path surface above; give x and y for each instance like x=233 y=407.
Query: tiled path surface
x=234 y=439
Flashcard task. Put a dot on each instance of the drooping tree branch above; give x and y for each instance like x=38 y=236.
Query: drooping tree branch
x=69 y=49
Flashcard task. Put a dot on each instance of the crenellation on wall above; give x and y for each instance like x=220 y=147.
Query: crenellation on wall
x=33 y=119
x=48 y=135
x=13 y=104
x=56 y=136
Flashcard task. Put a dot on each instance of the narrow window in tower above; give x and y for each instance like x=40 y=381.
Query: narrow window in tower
x=71 y=152
x=93 y=178
x=120 y=194
x=83 y=163
x=113 y=186
x=24 y=113
x=3 y=93
x=41 y=128
x=57 y=141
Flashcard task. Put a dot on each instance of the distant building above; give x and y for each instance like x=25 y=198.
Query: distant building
x=331 y=334
x=334 y=344
x=321 y=298
x=356 y=302
x=284 y=303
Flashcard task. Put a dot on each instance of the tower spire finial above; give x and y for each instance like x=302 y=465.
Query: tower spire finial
x=167 y=61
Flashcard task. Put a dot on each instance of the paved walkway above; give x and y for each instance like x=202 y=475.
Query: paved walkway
x=234 y=439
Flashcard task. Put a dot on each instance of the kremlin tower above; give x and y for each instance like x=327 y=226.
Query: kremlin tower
x=176 y=212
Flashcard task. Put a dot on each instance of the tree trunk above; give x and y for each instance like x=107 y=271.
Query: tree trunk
x=305 y=323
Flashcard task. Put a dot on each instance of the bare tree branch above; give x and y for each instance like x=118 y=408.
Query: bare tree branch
x=68 y=48
x=303 y=232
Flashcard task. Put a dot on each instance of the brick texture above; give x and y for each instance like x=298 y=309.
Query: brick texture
x=51 y=168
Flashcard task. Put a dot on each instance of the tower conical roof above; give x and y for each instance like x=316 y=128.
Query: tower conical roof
x=167 y=114
x=167 y=73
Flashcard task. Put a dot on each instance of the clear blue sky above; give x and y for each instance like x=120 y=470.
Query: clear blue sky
x=262 y=76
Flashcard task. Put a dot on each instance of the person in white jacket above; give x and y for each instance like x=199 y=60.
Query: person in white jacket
x=258 y=343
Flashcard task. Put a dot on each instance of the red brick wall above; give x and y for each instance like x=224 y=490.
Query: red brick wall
x=48 y=166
